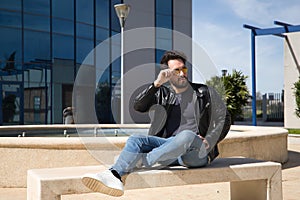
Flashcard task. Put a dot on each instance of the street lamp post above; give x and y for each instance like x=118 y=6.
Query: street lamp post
x=224 y=72
x=122 y=11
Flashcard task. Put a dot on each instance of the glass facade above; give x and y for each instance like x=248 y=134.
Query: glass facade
x=43 y=43
x=40 y=40
x=164 y=27
x=163 y=19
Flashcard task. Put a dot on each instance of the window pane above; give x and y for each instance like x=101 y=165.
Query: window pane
x=85 y=11
x=63 y=9
x=164 y=13
x=36 y=46
x=103 y=98
x=115 y=24
x=34 y=105
x=11 y=19
x=37 y=6
x=102 y=13
x=11 y=4
x=102 y=59
x=37 y=22
x=11 y=41
x=33 y=76
x=83 y=49
x=164 y=21
x=102 y=34
x=63 y=26
x=85 y=31
x=163 y=7
x=63 y=46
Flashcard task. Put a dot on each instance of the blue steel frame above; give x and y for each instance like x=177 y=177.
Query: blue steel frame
x=278 y=31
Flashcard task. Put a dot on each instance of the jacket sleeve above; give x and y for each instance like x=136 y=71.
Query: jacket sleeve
x=146 y=99
x=219 y=124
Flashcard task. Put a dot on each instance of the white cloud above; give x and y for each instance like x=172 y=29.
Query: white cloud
x=255 y=11
x=264 y=13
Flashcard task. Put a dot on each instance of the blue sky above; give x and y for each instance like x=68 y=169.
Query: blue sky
x=218 y=29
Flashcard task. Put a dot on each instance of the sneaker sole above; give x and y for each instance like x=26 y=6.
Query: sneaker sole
x=97 y=186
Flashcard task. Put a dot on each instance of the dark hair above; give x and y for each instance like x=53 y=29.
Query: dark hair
x=172 y=55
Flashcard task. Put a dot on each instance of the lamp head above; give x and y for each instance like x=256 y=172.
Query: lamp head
x=122 y=11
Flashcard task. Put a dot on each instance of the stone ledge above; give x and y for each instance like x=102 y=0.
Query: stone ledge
x=20 y=154
x=237 y=134
x=261 y=179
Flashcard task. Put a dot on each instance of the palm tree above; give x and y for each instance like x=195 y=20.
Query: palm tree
x=233 y=89
x=297 y=96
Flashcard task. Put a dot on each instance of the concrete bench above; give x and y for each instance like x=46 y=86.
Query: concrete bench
x=249 y=179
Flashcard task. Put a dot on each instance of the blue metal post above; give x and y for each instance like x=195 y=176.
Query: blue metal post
x=278 y=31
x=253 y=78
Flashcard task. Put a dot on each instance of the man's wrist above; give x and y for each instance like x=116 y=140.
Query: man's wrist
x=156 y=84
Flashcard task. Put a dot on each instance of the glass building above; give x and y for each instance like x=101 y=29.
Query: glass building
x=44 y=42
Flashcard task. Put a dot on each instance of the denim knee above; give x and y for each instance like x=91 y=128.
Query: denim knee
x=186 y=136
x=134 y=138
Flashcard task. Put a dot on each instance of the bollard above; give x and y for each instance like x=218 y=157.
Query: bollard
x=68 y=116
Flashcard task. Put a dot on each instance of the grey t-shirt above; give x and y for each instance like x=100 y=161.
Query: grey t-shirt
x=182 y=114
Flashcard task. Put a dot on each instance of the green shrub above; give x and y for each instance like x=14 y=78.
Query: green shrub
x=297 y=96
x=294 y=131
x=234 y=90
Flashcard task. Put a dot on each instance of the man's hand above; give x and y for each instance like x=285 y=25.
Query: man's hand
x=204 y=141
x=163 y=77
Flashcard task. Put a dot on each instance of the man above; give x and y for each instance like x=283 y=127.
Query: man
x=189 y=120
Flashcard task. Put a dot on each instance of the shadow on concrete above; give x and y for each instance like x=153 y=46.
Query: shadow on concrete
x=293 y=161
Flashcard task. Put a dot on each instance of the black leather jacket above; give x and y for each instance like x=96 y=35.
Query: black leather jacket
x=211 y=113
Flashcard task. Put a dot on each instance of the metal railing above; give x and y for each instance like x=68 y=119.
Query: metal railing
x=269 y=108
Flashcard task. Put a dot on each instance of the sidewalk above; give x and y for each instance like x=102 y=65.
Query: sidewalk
x=216 y=191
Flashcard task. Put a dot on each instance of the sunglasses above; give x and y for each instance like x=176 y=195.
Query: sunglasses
x=183 y=69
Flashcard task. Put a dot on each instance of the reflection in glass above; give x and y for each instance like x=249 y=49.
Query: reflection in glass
x=63 y=9
x=11 y=4
x=102 y=34
x=36 y=92
x=35 y=105
x=102 y=13
x=83 y=49
x=36 y=46
x=10 y=107
x=163 y=19
x=84 y=11
x=163 y=7
x=11 y=19
x=85 y=31
x=11 y=41
x=103 y=98
x=37 y=6
x=115 y=24
x=36 y=22
x=41 y=55
x=62 y=26
x=63 y=46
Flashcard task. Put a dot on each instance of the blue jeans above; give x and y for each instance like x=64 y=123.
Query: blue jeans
x=186 y=149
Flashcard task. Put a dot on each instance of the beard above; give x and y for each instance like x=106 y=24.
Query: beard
x=179 y=82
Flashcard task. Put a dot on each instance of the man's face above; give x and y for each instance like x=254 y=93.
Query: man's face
x=179 y=77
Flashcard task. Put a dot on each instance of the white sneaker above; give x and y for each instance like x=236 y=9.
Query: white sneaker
x=104 y=182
